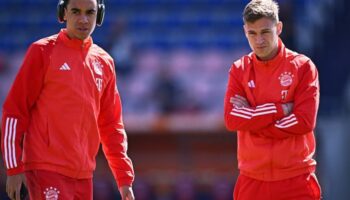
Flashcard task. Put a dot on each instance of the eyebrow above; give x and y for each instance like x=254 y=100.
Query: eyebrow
x=78 y=10
x=75 y=9
x=91 y=10
x=262 y=30
x=266 y=29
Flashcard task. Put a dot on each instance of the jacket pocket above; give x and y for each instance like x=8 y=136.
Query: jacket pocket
x=314 y=186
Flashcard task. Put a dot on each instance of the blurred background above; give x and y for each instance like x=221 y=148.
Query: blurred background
x=172 y=60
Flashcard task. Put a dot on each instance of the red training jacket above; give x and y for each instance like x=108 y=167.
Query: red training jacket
x=272 y=146
x=62 y=104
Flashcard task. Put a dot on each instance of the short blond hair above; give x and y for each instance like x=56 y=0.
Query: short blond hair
x=257 y=9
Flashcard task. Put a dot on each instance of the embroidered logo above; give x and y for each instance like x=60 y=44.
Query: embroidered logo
x=99 y=84
x=65 y=67
x=284 y=94
x=251 y=84
x=286 y=79
x=97 y=67
x=51 y=193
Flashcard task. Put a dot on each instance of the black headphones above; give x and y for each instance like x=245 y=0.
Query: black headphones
x=62 y=4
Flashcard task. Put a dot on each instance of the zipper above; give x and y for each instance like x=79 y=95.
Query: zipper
x=83 y=110
x=272 y=159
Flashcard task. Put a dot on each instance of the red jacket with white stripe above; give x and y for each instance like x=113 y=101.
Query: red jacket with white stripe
x=272 y=146
x=62 y=104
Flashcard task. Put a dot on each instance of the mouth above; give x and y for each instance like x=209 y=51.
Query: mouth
x=83 y=29
x=261 y=47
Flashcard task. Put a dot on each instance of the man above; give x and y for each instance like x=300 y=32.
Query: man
x=272 y=101
x=63 y=102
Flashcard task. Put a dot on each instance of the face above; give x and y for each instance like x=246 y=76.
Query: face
x=263 y=37
x=80 y=16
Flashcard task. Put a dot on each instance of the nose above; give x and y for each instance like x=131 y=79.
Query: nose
x=259 y=39
x=83 y=19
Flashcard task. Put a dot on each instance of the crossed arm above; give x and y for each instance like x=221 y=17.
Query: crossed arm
x=274 y=119
x=239 y=101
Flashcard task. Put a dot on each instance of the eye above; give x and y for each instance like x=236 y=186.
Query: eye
x=75 y=11
x=251 y=33
x=91 y=12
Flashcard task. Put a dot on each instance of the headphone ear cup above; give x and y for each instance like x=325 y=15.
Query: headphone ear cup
x=60 y=11
x=100 y=14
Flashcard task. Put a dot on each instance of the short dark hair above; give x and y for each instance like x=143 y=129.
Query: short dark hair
x=67 y=1
x=257 y=9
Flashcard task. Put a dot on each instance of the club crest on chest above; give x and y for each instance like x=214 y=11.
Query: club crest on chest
x=286 y=79
x=51 y=193
x=97 y=67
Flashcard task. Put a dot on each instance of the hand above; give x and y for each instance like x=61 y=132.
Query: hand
x=239 y=101
x=13 y=186
x=287 y=108
x=126 y=193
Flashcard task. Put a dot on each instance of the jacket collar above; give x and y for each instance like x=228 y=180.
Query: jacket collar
x=274 y=61
x=74 y=43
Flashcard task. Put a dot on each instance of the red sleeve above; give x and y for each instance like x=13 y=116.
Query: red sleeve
x=306 y=101
x=16 y=110
x=247 y=119
x=113 y=136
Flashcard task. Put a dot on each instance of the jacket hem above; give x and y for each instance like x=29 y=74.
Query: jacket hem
x=77 y=174
x=277 y=176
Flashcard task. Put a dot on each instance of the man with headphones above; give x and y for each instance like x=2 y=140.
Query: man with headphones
x=63 y=103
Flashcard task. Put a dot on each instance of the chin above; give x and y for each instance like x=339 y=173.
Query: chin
x=259 y=54
x=82 y=37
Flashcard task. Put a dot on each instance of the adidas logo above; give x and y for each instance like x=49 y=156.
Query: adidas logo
x=251 y=84
x=65 y=67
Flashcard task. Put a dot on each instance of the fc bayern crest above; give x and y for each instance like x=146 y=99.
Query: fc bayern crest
x=51 y=193
x=97 y=67
x=286 y=79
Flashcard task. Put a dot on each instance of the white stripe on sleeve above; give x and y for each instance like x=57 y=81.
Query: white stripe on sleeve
x=13 y=144
x=9 y=142
x=287 y=122
x=5 y=142
x=248 y=113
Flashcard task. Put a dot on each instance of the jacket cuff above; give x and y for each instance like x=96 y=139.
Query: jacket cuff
x=125 y=182
x=280 y=114
x=15 y=171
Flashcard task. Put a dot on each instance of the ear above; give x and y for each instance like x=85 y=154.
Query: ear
x=279 y=27
x=65 y=14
